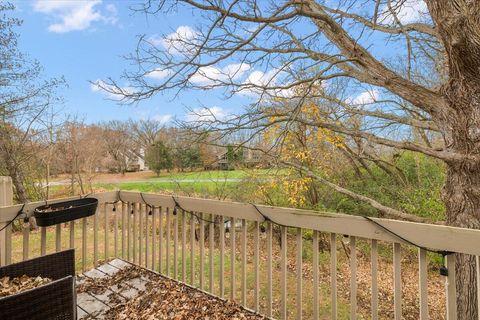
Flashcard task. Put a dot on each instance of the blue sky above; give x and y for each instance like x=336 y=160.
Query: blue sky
x=85 y=41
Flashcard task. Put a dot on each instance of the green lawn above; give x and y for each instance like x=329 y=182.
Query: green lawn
x=217 y=174
x=214 y=183
x=211 y=188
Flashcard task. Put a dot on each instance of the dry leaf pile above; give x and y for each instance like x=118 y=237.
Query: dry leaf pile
x=9 y=286
x=165 y=299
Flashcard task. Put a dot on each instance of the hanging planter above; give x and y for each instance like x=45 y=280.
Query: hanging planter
x=51 y=214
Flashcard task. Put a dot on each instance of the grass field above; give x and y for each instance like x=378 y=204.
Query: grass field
x=190 y=188
x=217 y=183
x=212 y=174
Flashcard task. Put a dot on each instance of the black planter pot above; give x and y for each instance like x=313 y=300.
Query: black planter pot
x=51 y=214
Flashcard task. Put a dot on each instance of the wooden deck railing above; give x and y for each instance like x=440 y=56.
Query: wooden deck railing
x=269 y=259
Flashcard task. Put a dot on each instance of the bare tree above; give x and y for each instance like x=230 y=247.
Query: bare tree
x=84 y=151
x=25 y=98
x=144 y=133
x=312 y=43
x=119 y=144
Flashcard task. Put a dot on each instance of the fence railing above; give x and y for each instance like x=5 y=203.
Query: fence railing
x=281 y=262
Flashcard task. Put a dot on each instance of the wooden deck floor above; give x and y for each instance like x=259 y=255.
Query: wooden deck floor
x=93 y=306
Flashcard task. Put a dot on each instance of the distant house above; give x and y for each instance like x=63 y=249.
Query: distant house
x=136 y=161
x=231 y=157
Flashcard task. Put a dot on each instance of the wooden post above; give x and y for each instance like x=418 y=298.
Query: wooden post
x=6 y=199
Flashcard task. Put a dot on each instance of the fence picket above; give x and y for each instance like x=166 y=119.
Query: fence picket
x=141 y=210
x=95 y=239
x=283 y=282
x=244 y=262
x=147 y=236
x=84 y=244
x=58 y=237
x=299 y=273
x=422 y=283
x=256 y=266
x=154 y=237
x=316 y=276
x=26 y=240
x=397 y=282
x=115 y=230
x=232 y=259
x=167 y=241
x=269 y=270
x=134 y=226
x=124 y=235
x=211 y=252
x=184 y=245
x=160 y=242
x=107 y=228
x=72 y=234
x=43 y=240
x=451 y=288
x=222 y=257
x=202 y=250
x=192 y=250
x=353 y=278
x=175 y=245
x=374 y=265
x=129 y=231
x=333 y=275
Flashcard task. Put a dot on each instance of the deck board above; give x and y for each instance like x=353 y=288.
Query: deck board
x=93 y=305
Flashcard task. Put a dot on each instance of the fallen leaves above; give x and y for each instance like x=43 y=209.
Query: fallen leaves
x=10 y=286
x=164 y=298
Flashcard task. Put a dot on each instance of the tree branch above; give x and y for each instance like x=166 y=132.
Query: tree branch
x=394 y=213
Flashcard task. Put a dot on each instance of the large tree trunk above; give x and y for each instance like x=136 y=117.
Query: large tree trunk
x=458 y=24
x=461 y=195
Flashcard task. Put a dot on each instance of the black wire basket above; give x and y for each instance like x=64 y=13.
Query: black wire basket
x=51 y=214
x=55 y=300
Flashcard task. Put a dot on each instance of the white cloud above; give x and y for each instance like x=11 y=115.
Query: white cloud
x=182 y=41
x=366 y=97
x=407 y=11
x=259 y=82
x=158 y=74
x=163 y=118
x=206 y=114
x=76 y=15
x=211 y=75
x=110 y=91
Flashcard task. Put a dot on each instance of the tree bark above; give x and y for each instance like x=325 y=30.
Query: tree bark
x=458 y=25
x=461 y=195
